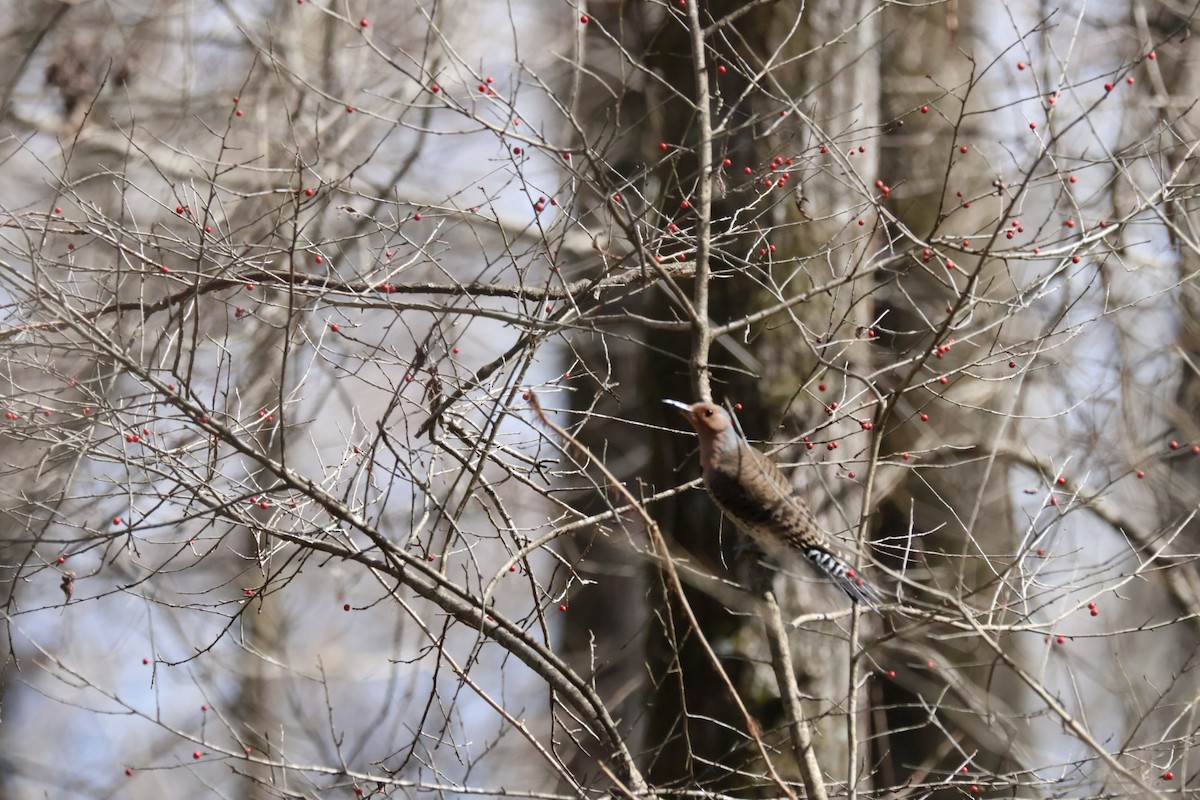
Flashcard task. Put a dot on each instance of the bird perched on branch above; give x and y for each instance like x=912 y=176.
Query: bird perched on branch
x=758 y=497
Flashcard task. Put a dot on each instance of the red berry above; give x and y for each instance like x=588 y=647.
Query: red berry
x=584 y=19
x=435 y=88
x=197 y=754
x=1168 y=776
x=1061 y=481
x=924 y=418
x=1130 y=79
x=962 y=149
x=362 y=23
x=1141 y=474
x=1108 y=87
x=346 y=607
x=850 y=475
x=924 y=109
x=1021 y=65
x=1152 y=55
x=1174 y=445
x=1062 y=640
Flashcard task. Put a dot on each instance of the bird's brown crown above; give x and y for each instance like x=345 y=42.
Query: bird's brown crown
x=708 y=418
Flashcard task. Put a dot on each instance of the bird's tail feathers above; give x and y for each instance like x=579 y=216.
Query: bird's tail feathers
x=846 y=578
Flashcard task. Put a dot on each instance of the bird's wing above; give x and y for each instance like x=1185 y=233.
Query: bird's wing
x=774 y=489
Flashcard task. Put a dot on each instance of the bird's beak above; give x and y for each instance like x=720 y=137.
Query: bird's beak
x=684 y=407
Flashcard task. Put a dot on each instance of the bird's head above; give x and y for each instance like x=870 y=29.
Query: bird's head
x=712 y=424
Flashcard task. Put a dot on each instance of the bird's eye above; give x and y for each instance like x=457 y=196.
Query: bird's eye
x=708 y=412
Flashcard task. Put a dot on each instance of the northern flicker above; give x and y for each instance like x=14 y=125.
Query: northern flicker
x=758 y=497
